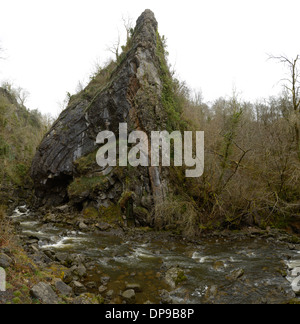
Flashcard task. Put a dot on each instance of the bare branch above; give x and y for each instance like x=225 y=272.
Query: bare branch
x=115 y=47
x=128 y=24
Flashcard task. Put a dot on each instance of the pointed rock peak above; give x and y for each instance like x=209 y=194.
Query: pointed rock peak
x=128 y=90
x=146 y=28
x=147 y=17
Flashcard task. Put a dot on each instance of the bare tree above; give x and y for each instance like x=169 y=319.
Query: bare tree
x=292 y=87
x=79 y=87
x=128 y=24
x=21 y=96
x=115 y=47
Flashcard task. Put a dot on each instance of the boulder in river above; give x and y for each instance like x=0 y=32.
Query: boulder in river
x=136 y=287
x=129 y=296
x=236 y=274
x=175 y=276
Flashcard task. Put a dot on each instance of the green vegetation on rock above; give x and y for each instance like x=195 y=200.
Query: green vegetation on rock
x=87 y=185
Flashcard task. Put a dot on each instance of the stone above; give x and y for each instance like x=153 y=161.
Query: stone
x=63 y=289
x=61 y=257
x=219 y=266
x=81 y=271
x=68 y=277
x=82 y=226
x=102 y=289
x=78 y=288
x=44 y=293
x=105 y=280
x=175 y=276
x=49 y=254
x=293 y=264
x=63 y=209
x=103 y=226
x=211 y=293
x=236 y=274
x=129 y=296
x=165 y=297
x=91 y=285
x=22 y=210
x=5 y=261
x=88 y=299
x=136 y=287
x=110 y=294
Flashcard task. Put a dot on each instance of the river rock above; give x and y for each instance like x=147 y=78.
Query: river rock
x=63 y=209
x=80 y=271
x=102 y=289
x=49 y=254
x=91 y=285
x=69 y=275
x=219 y=265
x=293 y=264
x=82 y=226
x=103 y=226
x=88 y=299
x=235 y=274
x=63 y=289
x=165 y=297
x=211 y=293
x=136 y=287
x=129 y=296
x=175 y=276
x=78 y=288
x=110 y=294
x=22 y=210
x=5 y=261
x=61 y=257
x=105 y=280
x=44 y=293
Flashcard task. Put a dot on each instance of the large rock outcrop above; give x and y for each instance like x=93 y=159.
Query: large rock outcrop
x=132 y=93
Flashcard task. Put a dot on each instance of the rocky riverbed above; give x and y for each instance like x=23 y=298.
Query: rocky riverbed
x=102 y=264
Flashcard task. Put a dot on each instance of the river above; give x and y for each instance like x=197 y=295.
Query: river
x=233 y=269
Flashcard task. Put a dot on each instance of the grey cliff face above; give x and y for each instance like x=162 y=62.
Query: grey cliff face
x=132 y=94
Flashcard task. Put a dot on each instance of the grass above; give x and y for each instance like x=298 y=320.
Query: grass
x=85 y=184
x=179 y=214
x=86 y=163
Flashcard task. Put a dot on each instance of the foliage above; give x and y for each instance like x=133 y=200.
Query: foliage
x=20 y=133
x=170 y=97
x=252 y=171
x=86 y=184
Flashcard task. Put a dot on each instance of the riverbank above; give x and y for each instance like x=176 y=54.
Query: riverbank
x=113 y=264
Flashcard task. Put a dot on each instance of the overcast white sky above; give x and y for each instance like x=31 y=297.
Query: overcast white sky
x=214 y=44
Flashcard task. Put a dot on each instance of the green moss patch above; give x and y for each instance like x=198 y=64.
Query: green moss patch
x=85 y=184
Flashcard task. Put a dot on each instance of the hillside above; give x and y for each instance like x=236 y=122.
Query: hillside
x=20 y=133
